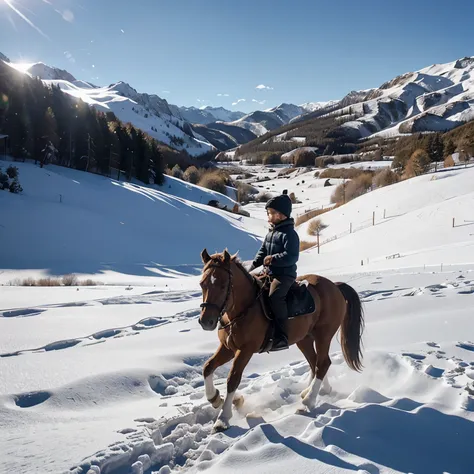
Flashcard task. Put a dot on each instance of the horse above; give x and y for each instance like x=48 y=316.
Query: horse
x=232 y=298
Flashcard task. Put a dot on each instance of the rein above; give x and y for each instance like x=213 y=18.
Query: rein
x=222 y=310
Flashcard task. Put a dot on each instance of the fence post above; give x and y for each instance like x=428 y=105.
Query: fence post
x=351 y=228
x=453 y=221
x=373 y=218
x=318 y=241
x=384 y=213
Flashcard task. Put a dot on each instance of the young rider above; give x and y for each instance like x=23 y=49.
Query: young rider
x=279 y=252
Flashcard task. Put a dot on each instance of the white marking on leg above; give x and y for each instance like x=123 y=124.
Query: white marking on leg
x=310 y=400
x=225 y=415
x=326 y=388
x=210 y=389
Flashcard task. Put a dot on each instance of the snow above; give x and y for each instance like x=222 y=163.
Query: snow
x=134 y=226
x=123 y=101
x=314 y=106
x=108 y=379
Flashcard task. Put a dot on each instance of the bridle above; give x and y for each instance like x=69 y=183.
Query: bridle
x=222 y=310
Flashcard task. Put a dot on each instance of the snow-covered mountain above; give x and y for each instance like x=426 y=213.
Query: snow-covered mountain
x=206 y=115
x=46 y=72
x=314 y=106
x=147 y=112
x=436 y=98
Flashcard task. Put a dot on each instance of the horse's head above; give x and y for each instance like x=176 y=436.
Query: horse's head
x=216 y=285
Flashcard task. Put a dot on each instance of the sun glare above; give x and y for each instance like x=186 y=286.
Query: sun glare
x=22 y=67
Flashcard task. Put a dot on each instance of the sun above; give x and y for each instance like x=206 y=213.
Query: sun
x=22 y=67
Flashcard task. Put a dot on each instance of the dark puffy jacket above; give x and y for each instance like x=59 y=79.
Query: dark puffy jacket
x=283 y=244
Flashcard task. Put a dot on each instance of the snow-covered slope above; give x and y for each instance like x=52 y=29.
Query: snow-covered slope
x=108 y=379
x=435 y=98
x=70 y=221
x=417 y=228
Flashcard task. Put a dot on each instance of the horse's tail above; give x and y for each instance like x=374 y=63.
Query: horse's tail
x=352 y=328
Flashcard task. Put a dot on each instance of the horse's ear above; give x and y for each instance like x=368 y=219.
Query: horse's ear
x=205 y=257
x=226 y=256
x=236 y=254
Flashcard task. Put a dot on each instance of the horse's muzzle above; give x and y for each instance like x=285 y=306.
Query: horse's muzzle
x=208 y=324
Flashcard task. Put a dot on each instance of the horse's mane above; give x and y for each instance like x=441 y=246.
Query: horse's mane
x=219 y=259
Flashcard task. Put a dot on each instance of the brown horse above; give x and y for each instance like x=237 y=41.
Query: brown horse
x=231 y=297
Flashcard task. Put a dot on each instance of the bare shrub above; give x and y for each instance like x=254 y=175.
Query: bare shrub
x=449 y=162
x=316 y=175
x=245 y=192
x=70 y=280
x=345 y=192
x=303 y=158
x=192 y=175
x=385 y=177
x=315 y=227
x=273 y=159
x=215 y=181
x=342 y=173
x=28 y=282
x=88 y=282
x=293 y=198
x=176 y=172
x=48 y=282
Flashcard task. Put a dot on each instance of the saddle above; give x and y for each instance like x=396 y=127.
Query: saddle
x=299 y=301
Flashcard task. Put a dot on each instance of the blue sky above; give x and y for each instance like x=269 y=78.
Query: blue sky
x=190 y=51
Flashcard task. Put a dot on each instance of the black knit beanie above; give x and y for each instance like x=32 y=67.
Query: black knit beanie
x=281 y=204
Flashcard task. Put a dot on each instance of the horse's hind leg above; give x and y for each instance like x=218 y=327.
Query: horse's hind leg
x=221 y=357
x=242 y=358
x=306 y=346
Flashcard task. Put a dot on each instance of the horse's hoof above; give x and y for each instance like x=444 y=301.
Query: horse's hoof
x=302 y=411
x=309 y=403
x=220 y=426
x=238 y=401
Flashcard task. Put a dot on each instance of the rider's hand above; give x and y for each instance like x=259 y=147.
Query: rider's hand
x=268 y=260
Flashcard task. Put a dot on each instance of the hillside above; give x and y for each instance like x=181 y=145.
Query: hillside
x=417 y=229
x=434 y=99
x=67 y=221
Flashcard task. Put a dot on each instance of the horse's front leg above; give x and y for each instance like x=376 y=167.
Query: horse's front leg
x=242 y=358
x=221 y=357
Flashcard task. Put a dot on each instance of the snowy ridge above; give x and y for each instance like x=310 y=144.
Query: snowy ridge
x=435 y=98
x=149 y=115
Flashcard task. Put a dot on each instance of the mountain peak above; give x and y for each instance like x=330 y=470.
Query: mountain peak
x=48 y=73
x=4 y=58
